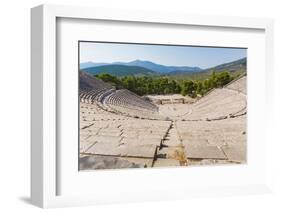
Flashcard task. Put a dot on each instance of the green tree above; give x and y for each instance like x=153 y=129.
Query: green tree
x=114 y=81
x=199 y=89
x=144 y=85
x=189 y=88
x=223 y=78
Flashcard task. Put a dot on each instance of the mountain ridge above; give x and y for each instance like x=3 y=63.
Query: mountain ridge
x=137 y=68
x=119 y=70
x=145 y=64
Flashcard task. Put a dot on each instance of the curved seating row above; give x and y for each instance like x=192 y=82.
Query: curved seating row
x=239 y=85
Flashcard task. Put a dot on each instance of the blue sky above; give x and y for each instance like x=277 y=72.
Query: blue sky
x=203 y=57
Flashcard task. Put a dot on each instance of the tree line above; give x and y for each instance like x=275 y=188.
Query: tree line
x=145 y=85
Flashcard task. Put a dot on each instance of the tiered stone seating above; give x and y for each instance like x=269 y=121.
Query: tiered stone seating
x=130 y=140
x=239 y=85
x=91 y=96
x=90 y=113
x=221 y=140
x=127 y=99
x=88 y=82
x=220 y=103
x=211 y=130
x=128 y=103
x=124 y=102
x=91 y=88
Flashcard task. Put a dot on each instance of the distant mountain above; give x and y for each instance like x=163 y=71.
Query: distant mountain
x=91 y=64
x=238 y=67
x=119 y=70
x=160 y=68
x=140 y=68
x=230 y=66
x=145 y=64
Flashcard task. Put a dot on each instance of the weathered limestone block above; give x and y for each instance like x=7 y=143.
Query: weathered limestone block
x=141 y=141
x=160 y=162
x=101 y=148
x=85 y=145
x=235 y=153
x=144 y=151
x=204 y=152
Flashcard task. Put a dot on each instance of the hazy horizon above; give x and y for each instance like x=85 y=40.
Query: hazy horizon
x=168 y=55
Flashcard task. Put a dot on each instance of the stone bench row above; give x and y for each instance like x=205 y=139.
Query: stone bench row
x=221 y=103
x=125 y=98
x=91 y=96
x=239 y=85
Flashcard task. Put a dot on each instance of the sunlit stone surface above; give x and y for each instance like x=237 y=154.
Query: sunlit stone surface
x=119 y=129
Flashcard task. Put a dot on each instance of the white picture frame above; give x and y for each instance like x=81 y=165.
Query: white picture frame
x=44 y=149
